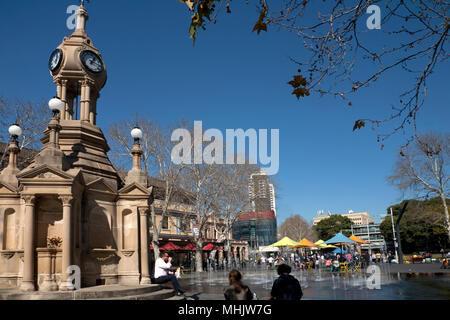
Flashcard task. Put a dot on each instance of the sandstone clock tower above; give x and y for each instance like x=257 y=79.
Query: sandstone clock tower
x=79 y=73
x=72 y=192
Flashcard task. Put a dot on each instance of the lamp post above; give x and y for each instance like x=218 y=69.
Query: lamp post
x=15 y=131
x=9 y=173
x=57 y=107
x=368 y=238
x=394 y=238
x=137 y=134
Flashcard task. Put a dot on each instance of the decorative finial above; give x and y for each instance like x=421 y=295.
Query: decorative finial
x=82 y=17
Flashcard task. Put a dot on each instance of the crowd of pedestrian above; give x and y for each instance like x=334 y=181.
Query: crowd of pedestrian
x=285 y=287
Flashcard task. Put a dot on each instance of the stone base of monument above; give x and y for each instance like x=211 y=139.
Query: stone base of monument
x=107 y=292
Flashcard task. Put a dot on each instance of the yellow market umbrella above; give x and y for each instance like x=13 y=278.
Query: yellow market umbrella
x=319 y=243
x=327 y=246
x=322 y=245
x=304 y=243
x=285 y=242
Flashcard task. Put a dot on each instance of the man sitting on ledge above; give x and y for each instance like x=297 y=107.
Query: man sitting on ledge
x=163 y=273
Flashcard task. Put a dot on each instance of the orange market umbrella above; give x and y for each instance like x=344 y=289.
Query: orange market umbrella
x=304 y=243
x=359 y=240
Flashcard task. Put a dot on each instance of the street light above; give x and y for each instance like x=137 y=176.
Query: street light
x=15 y=131
x=56 y=105
x=394 y=238
x=136 y=133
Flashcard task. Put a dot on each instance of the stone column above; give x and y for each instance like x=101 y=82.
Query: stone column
x=87 y=103
x=92 y=107
x=28 y=283
x=67 y=242
x=63 y=97
x=70 y=104
x=83 y=101
x=58 y=88
x=145 y=271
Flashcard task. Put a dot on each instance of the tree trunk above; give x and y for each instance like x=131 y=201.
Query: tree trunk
x=228 y=249
x=198 y=254
x=155 y=244
x=198 y=259
x=155 y=233
x=444 y=203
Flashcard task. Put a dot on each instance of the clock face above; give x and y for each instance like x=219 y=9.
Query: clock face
x=55 y=60
x=91 y=61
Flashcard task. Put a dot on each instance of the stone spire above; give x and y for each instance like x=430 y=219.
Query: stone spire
x=52 y=154
x=8 y=175
x=82 y=18
x=136 y=174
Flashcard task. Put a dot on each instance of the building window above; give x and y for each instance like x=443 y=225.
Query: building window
x=185 y=225
x=165 y=223
x=177 y=225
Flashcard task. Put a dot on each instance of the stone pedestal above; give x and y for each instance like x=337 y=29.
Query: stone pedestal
x=49 y=257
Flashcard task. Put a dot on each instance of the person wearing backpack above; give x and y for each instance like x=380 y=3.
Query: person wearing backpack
x=286 y=287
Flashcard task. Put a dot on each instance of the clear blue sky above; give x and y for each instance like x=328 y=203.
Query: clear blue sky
x=232 y=78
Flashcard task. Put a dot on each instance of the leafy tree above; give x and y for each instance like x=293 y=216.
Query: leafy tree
x=340 y=57
x=422 y=227
x=329 y=227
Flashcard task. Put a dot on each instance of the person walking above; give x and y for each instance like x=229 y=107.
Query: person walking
x=163 y=274
x=270 y=261
x=378 y=256
x=237 y=290
x=286 y=287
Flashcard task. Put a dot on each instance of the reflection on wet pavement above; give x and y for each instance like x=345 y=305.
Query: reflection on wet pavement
x=323 y=285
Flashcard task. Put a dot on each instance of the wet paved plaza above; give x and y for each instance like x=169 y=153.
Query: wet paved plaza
x=322 y=285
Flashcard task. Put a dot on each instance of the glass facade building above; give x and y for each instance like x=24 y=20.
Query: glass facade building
x=257 y=228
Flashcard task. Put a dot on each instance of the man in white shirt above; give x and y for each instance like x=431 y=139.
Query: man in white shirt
x=270 y=260
x=163 y=273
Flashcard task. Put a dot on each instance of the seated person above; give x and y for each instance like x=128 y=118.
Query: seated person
x=163 y=273
x=328 y=263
